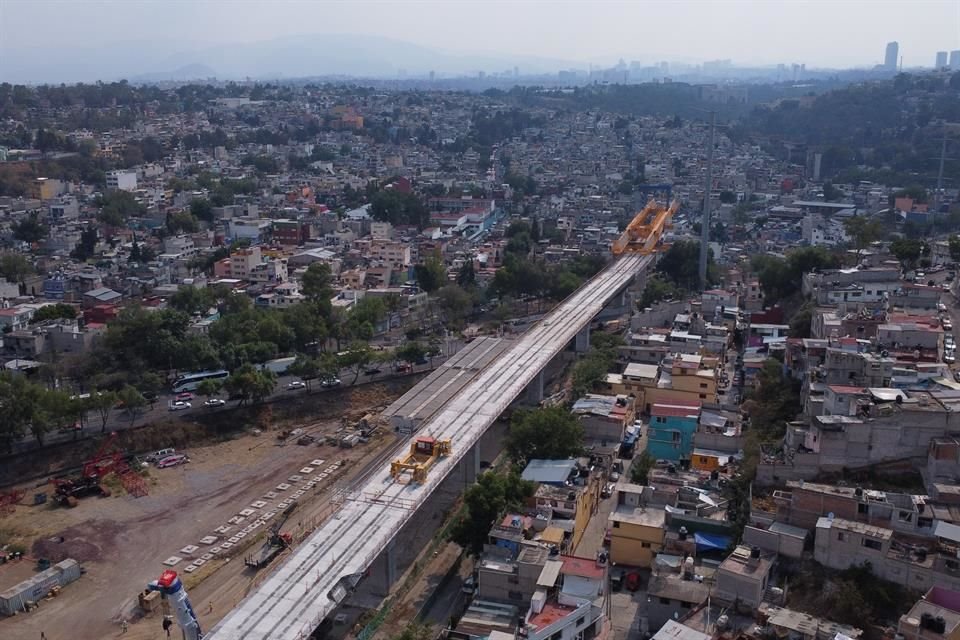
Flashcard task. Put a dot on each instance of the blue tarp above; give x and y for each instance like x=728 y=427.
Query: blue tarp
x=711 y=541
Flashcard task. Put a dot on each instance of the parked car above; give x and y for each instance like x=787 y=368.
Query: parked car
x=296 y=384
x=159 y=455
x=173 y=461
x=214 y=402
x=330 y=382
x=607 y=491
x=402 y=367
x=186 y=396
x=371 y=372
x=180 y=406
x=614 y=476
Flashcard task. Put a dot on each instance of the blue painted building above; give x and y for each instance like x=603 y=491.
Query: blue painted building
x=671 y=430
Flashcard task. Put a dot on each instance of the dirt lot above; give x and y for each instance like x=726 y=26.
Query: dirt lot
x=122 y=541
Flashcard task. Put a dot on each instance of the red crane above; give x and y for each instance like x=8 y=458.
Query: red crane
x=109 y=459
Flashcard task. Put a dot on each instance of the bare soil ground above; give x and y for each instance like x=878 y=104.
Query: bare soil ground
x=122 y=541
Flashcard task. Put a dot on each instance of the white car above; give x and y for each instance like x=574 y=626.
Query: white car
x=173 y=461
x=949 y=358
x=180 y=406
x=214 y=402
x=296 y=384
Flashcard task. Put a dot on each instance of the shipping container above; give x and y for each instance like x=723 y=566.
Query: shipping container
x=28 y=592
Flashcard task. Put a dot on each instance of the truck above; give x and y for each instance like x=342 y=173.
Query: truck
x=279 y=366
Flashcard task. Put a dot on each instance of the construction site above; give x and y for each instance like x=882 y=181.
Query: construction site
x=123 y=520
x=225 y=516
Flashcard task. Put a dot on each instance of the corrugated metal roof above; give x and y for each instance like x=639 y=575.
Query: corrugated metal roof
x=550 y=573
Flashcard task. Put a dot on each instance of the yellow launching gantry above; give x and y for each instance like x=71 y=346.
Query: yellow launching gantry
x=643 y=234
x=424 y=453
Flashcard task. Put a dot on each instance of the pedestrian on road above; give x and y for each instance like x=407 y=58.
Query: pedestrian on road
x=123 y=626
x=210 y=608
x=43 y=636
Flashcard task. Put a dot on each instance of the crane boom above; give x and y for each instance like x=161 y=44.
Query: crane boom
x=645 y=231
x=170 y=586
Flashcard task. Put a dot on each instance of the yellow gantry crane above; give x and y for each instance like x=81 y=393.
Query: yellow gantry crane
x=424 y=452
x=643 y=234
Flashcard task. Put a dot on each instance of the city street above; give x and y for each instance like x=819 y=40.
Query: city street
x=119 y=420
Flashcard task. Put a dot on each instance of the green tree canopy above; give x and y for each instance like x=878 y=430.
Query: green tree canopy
x=550 y=433
x=397 y=208
x=484 y=503
x=54 y=312
x=431 y=274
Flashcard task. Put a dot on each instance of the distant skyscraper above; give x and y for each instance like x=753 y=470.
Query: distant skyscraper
x=893 y=52
x=516 y=71
x=433 y=76
x=941 y=60
x=955 y=60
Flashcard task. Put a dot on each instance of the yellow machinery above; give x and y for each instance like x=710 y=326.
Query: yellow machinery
x=424 y=452
x=644 y=232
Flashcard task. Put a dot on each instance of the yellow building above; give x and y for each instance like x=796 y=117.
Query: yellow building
x=48 y=188
x=686 y=379
x=636 y=532
x=574 y=503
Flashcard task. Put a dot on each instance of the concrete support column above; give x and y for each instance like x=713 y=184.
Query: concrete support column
x=582 y=341
x=535 y=389
x=383 y=571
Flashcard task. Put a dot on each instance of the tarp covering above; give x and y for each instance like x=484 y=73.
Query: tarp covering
x=711 y=541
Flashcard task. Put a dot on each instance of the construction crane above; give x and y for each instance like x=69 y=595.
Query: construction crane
x=424 y=453
x=110 y=459
x=170 y=586
x=644 y=233
x=275 y=543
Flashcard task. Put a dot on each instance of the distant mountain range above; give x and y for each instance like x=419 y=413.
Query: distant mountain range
x=293 y=57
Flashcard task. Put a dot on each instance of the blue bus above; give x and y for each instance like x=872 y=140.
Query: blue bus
x=190 y=381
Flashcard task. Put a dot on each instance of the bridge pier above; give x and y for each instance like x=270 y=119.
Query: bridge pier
x=535 y=389
x=383 y=571
x=581 y=343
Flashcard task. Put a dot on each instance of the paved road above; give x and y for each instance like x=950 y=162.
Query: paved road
x=119 y=420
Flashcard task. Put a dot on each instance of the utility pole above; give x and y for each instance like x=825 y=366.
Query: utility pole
x=705 y=223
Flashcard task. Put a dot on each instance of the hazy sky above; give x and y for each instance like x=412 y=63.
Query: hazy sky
x=819 y=33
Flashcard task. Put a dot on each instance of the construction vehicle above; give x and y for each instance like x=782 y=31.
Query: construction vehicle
x=275 y=543
x=170 y=586
x=424 y=453
x=108 y=459
x=644 y=234
x=67 y=491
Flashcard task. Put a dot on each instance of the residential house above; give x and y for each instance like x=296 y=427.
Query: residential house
x=636 y=526
x=743 y=578
x=935 y=616
x=671 y=431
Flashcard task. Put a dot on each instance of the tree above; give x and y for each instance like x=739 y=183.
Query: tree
x=728 y=197
x=412 y=352
x=864 y=232
x=455 y=303
x=681 y=263
x=588 y=373
x=431 y=274
x=209 y=388
x=550 y=433
x=800 y=322
x=780 y=279
x=657 y=289
x=182 y=221
x=466 y=277
x=132 y=401
x=54 y=312
x=248 y=382
x=29 y=230
x=87 y=245
x=484 y=503
x=103 y=403
x=202 y=209
x=317 y=282
x=641 y=467
x=908 y=251
x=831 y=193
x=355 y=359
x=14 y=267
x=305 y=368
x=192 y=300
x=398 y=208
x=955 y=246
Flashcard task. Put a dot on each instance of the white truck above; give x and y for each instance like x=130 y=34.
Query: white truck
x=278 y=366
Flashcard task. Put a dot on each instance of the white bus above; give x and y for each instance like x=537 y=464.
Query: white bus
x=190 y=381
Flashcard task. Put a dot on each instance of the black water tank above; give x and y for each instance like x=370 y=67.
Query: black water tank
x=754 y=552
